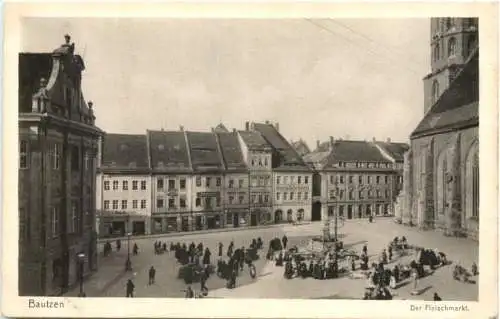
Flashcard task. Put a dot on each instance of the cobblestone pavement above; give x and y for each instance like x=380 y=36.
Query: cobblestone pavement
x=110 y=281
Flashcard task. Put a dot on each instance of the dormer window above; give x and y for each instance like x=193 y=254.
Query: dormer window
x=452 y=47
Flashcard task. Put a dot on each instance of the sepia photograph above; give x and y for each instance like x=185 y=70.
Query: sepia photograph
x=271 y=159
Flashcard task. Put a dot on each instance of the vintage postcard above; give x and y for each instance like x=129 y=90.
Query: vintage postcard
x=245 y=161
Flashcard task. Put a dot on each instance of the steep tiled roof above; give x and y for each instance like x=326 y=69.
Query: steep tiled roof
x=458 y=106
x=123 y=151
x=168 y=151
x=286 y=158
x=231 y=151
x=346 y=151
x=204 y=151
x=395 y=150
x=254 y=140
x=301 y=147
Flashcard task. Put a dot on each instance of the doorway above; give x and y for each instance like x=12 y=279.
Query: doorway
x=278 y=216
x=138 y=228
x=253 y=219
x=316 y=211
x=236 y=220
x=349 y=211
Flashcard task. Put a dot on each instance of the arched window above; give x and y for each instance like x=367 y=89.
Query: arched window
x=452 y=46
x=435 y=91
x=449 y=23
x=436 y=52
x=441 y=182
x=472 y=182
x=471 y=44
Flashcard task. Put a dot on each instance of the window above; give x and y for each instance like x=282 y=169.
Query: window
x=159 y=203
x=56 y=156
x=115 y=204
x=387 y=193
x=306 y=179
x=265 y=162
x=260 y=199
x=231 y=183
x=198 y=181
x=106 y=185
x=182 y=202
x=369 y=194
x=241 y=198
x=171 y=184
x=75 y=158
x=278 y=196
x=299 y=179
x=369 y=179
x=125 y=185
x=299 y=196
x=124 y=204
x=106 y=204
x=134 y=204
x=386 y=179
x=378 y=179
x=254 y=181
x=435 y=91
x=198 y=202
x=471 y=44
x=306 y=195
x=285 y=195
x=262 y=182
x=341 y=194
x=351 y=179
x=24 y=158
x=292 y=179
x=436 y=52
x=143 y=203
x=54 y=221
x=229 y=219
x=331 y=179
x=360 y=179
x=207 y=181
x=143 y=185
x=291 y=195
x=286 y=180
x=208 y=202
x=241 y=183
x=171 y=203
x=360 y=194
x=351 y=195
x=115 y=185
x=217 y=201
x=452 y=47
x=260 y=161
x=231 y=199
x=218 y=182
x=254 y=198
x=278 y=179
x=378 y=193
x=341 y=179
x=266 y=198
x=253 y=162
x=182 y=183
x=134 y=185
x=159 y=183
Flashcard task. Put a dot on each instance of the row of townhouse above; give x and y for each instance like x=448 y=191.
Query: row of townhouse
x=166 y=181
x=356 y=179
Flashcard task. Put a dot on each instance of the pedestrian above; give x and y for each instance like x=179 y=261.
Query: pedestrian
x=206 y=257
x=200 y=247
x=284 y=240
x=474 y=270
x=203 y=281
x=414 y=276
x=395 y=272
x=436 y=297
x=130 y=288
x=365 y=249
x=164 y=247
x=118 y=245
x=189 y=292
x=389 y=250
x=136 y=249
x=152 y=273
x=353 y=263
x=230 y=250
x=221 y=246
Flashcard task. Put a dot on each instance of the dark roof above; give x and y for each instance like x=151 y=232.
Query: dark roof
x=124 y=151
x=32 y=67
x=168 y=151
x=357 y=151
x=323 y=147
x=286 y=158
x=301 y=147
x=395 y=150
x=254 y=140
x=231 y=151
x=204 y=151
x=458 y=106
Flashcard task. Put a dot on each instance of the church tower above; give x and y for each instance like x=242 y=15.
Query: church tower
x=452 y=41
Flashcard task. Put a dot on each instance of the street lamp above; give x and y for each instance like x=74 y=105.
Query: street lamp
x=81 y=260
x=128 y=262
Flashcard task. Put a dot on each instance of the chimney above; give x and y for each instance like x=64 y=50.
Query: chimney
x=247 y=126
x=388 y=140
x=332 y=140
x=162 y=129
x=213 y=130
x=234 y=130
x=277 y=126
x=317 y=143
x=267 y=122
x=374 y=139
x=181 y=128
x=90 y=104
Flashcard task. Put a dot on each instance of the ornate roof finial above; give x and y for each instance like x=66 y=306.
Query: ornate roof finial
x=67 y=38
x=90 y=104
x=43 y=83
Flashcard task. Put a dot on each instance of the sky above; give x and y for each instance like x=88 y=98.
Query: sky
x=350 y=78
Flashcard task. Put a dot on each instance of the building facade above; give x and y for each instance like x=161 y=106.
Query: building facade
x=172 y=181
x=58 y=146
x=124 y=192
x=355 y=179
x=291 y=180
x=442 y=185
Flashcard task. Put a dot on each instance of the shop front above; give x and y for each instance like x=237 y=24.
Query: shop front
x=237 y=217
x=119 y=224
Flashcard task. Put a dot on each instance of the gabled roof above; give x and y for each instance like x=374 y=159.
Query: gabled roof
x=231 y=151
x=221 y=128
x=168 y=151
x=286 y=158
x=125 y=151
x=301 y=147
x=205 y=155
x=395 y=150
x=254 y=140
x=355 y=151
x=458 y=106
